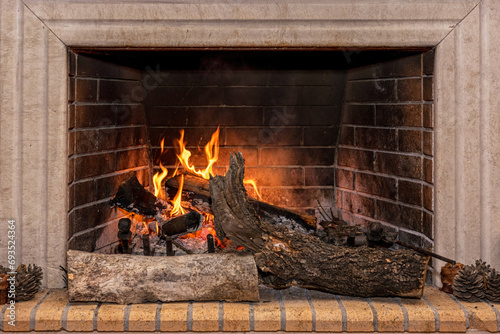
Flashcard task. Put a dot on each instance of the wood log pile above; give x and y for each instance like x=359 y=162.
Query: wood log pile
x=285 y=247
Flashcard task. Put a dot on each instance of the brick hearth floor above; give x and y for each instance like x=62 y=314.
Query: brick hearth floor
x=292 y=310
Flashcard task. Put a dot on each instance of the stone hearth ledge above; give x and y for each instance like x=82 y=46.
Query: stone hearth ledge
x=291 y=310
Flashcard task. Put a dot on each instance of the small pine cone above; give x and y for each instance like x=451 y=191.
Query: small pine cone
x=28 y=281
x=468 y=284
x=492 y=292
x=482 y=267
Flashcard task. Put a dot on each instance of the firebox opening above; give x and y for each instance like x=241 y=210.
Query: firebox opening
x=349 y=130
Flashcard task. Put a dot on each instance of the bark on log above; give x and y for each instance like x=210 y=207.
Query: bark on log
x=128 y=279
x=200 y=186
x=306 y=260
x=132 y=197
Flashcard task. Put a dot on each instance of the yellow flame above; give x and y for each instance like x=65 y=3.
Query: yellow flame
x=254 y=185
x=178 y=209
x=211 y=152
x=158 y=178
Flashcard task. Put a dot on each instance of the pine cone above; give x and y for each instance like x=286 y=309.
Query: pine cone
x=492 y=292
x=28 y=280
x=482 y=267
x=468 y=284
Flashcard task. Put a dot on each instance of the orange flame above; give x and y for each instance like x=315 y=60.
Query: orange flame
x=254 y=185
x=211 y=152
x=158 y=178
x=178 y=209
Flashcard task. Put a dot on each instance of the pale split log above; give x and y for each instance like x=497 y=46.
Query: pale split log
x=124 y=279
x=305 y=260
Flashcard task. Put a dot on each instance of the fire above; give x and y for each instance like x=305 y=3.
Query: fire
x=158 y=178
x=211 y=152
x=178 y=209
x=254 y=185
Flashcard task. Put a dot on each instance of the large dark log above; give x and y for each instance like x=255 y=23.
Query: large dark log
x=132 y=197
x=128 y=279
x=200 y=186
x=306 y=260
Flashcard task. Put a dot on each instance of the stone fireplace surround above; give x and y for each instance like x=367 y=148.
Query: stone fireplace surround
x=35 y=36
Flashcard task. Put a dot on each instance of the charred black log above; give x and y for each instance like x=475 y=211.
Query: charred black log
x=132 y=197
x=266 y=211
x=306 y=260
x=180 y=225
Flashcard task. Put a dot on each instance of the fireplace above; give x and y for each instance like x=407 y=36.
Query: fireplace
x=34 y=130
x=327 y=133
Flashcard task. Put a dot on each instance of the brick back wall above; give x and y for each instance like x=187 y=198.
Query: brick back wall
x=285 y=122
x=385 y=153
x=107 y=139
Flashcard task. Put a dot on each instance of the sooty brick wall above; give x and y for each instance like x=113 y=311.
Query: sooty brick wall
x=107 y=139
x=385 y=152
x=284 y=121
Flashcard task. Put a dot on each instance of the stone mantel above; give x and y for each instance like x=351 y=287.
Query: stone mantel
x=35 y=35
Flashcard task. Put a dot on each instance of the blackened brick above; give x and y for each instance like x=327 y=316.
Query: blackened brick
x=344 y=179
x=92 y=67
x=85 y=90
x=304 y=77
x=319 y=95
x=71 y=116
x=94 y=165
x=85 y=192
x=108 y=186
x=71 y=170
x=359 y=114
x=132 y=114
x=399 y=115
x=428 y=170
x=264 y=136
x=249 y=154
x=428 y=225
x=321 y=136
x=409 y=90
x=428 y=62
x=123 y=92
x=358 y=159
x=428 y=115
x=319 y=176
x=260 y=96
x=185 y=96
x=376 y=185
x=301 y=116
x=410 y=192
x=94 y=115
x=71 y=143
x=428 y=143
x=410 y=141
x=346 y=136
x=399 y=215
x=428 y=89
x=71 y=89
x=297 y=156
x=400 y=165
x=374 y=138
x=71 y=63
x=371 y=91
x=359 y=204
x=401 y=67
x=429 y=198
x=131 y=158
x=83 y=242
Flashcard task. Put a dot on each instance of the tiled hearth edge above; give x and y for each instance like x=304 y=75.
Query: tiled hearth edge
x=292 y=310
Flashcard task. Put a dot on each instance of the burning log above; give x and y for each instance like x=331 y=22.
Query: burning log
x=128 y=279
x=201 y=187
x=187 y=223
x=294 y=257
x=132 y=197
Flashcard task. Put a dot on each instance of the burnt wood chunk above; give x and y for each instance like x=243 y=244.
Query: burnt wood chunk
x=132 y=197
x=201 y=187
x=124 y=279
x=305 y=260
x=180 y=225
